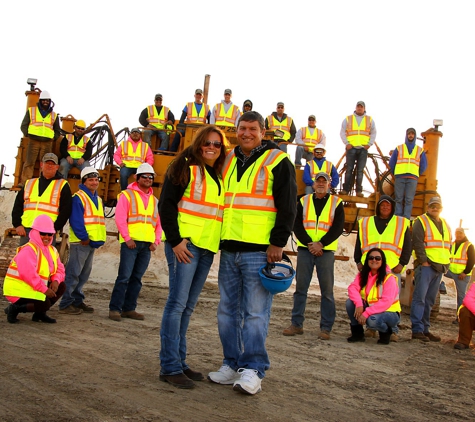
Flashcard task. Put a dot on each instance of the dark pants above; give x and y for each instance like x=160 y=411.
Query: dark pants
x=466 y=326
x=43 y=305
x=358 y=156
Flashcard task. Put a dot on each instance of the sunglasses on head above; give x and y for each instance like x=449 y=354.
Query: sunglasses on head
x=216 y=144
x=147 y=177
x=46 y=234
x=374 y=257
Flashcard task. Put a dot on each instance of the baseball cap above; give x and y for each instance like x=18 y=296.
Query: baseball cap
x=280 y=103
x=435 y=200
x=158 y=96
x=361 y=103
x=135 y=129
x=50 y=157
x=199 y=91
x=312 y=117
x=322 y=174
x=228 y=91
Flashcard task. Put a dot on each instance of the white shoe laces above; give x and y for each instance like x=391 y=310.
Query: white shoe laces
x=247 y=374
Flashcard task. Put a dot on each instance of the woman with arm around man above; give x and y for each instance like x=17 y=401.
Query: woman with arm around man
x=191 y=209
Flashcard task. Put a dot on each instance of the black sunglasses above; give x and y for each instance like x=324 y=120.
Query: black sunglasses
x=216 y=144
x=374 y=257
x=147 y=177
x=46 y=234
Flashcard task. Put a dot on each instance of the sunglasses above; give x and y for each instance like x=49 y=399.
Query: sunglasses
x=46 y=234
x=216 y=144
x=280 y=107
x=435 y=207
x=374 y=258
x=147 y=177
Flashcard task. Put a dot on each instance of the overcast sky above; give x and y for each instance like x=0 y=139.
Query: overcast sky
x=410 y=61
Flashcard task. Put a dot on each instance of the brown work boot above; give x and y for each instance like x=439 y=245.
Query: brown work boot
x=394 y=338
x=432 y=337
x=85 y=308
x=292 y=330
x=461 y=346
x=369 y=333
x=133 y=315
x=114 y=316
x=324 y=335
x=70 y=310
x=178 y=380
x=193 y=375
x=420 y=336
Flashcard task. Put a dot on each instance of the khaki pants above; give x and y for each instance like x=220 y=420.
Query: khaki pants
x=35 y=150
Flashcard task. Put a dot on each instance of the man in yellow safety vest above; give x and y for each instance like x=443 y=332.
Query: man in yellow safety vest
x=75 y=149
x=283 y=126
x=157 y=116
x=225 y=113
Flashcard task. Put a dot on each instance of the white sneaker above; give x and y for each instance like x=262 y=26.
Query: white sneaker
x=249 y=383
x=224 y=375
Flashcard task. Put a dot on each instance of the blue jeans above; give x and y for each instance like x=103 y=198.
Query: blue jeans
x=243 y=311
x=78 y=271
x=358 y=155
x=404 y=189
x=64 y=166
x=185 y=283
x=125 y=173
x=132 y=267
x=379 y=322
x=427 y=282
x=161 y=136
x=301 y=153
x=325 y=272
x=460 y=285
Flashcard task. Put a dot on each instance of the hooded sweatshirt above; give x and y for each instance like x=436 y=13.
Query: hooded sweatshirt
x=410 y=147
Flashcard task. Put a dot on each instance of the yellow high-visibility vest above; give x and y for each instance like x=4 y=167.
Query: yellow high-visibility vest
x=158 y=120
x=284 y=125
x=437 y=247
x=391 y=241
x=141 y=221
x=94 y=221
x=358 y=134
x=192 y=115
x=200 y=210
x=249 y=208
x=39 y=125
x=314 y=169
x=317 y=228
x=459 y=259
x=133 y=159
x=14 y=286
x=311 y=140
x=76 y=151
x=224 y=118
x=35 y=205
x=376 y=293
x=408 y=163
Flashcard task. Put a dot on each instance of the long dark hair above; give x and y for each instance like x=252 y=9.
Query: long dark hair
x=178 y=172
x=366 y=271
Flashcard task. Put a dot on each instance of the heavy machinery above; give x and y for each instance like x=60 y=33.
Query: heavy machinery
x=105 y=141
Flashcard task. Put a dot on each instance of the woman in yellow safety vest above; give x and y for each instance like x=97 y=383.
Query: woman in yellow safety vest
x=34 y=279
x=191 y=210
x=373 y=299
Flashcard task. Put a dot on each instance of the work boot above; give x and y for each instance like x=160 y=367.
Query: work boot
x=292 y=330
x=324 y=335
x=115 y=316
x=432 y=337
x=384 y=338
x=12 y=312
x=193 y=375
x=41 y=316
x=420 y=336
x=357 y=334
x=178 y=380
x=133 y=315
x=85 y=308
x=461 y=346
x=70 y=310
x=370 y=333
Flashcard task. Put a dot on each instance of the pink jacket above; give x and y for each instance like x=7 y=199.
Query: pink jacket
x=122 y=213
x=469 y=300
x=390 y=292
x=118 y=153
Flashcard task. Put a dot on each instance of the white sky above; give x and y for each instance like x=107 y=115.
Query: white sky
x=410 y=61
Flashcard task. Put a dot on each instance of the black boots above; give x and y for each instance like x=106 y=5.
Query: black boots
x=41 y=316
x=384 y=338
x=357 y=333
x=12 y=312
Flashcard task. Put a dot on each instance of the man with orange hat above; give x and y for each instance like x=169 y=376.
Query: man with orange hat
x=75 y=149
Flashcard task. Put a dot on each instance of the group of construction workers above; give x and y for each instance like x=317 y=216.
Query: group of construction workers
x=244 y=202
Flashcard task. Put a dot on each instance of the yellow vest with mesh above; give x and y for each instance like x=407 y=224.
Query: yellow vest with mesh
x=39 y=125
x=358 y=134
x=459 y=259
x=311 y=140
x=284 y=125
x=192 y=115
x=376 y=293
x=437 y=246
x=155 y=119
x=314 y=169
x=408 y=163
x=133 y=159
x=94 y=221
x=76 y=151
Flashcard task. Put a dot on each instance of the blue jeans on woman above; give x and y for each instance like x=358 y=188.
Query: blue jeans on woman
x=185 y=284
x=379 y=322
x=243 y=311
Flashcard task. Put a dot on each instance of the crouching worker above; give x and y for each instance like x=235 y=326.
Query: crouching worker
x=373 y=299
x=466 y=316
x=34 y=279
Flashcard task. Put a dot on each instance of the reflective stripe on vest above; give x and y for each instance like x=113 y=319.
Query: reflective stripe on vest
x=314 y=169
x=76 y=151
x=376 y=293
x=459 y=259
x=316 y=229
x=200 y=210
x=224 y=118
x=249 y=209
x=408 y=163
x=157 y=120
x=192 y=115
x=284 y=125
x=131 y=158
x=40 y=126
x=358 y=135
x=309 y=139
x=437 y=247
x=391 y=241
x=35 y=205
x=141 y=221
x=94 y=221
x=14 y=286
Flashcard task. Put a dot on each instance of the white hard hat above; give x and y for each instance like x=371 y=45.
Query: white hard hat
x=86 y=171
x=45 y=95
x=145 y=168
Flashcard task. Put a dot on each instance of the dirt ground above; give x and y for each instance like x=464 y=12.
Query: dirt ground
x=89 y=368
